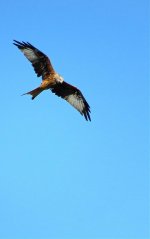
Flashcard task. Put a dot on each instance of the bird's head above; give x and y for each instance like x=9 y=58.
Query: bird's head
x=59 y=78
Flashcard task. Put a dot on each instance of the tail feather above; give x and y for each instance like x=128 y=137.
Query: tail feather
x=34 y=92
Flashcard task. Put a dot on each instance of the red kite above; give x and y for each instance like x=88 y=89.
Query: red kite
x=52 y=80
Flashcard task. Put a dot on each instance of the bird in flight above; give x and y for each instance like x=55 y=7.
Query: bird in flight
x=52 y=80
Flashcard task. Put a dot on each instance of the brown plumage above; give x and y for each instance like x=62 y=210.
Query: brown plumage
x=52 y=80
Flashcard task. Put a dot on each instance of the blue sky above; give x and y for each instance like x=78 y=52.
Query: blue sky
x=60 y=176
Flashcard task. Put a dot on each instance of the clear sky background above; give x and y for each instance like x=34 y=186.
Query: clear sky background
x=61 y=176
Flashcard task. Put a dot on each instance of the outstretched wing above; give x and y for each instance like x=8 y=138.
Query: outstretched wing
x=74 y=97
x=39 y=60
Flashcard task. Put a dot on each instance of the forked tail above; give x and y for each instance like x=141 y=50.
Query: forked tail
x=34 y=92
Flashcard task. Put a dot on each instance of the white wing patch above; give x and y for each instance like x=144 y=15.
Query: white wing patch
x=29 y=53
x=76 y=101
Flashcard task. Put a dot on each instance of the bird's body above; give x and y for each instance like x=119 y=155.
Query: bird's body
x=52 y=80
